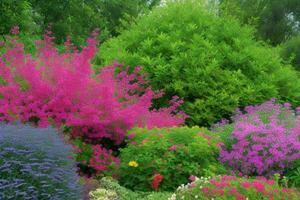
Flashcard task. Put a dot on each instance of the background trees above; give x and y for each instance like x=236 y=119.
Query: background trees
x=75 y=18
x=275 y=20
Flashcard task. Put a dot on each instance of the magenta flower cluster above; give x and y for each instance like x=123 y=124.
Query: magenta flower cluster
x=102 y=159
x=62 y=89
x=265 y=140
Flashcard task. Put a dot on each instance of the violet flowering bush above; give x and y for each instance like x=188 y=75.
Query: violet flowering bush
x=265 y=140
x=62 y=89
x=35 y=163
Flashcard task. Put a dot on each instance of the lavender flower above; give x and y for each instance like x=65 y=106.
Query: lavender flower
x=35 y=164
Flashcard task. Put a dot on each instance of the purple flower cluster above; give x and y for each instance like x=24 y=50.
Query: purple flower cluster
x=265 y=140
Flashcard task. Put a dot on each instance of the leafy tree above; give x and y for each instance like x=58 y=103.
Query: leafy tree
x=73 y=18
x=77 y=18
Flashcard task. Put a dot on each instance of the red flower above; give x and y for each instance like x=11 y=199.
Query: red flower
x=157 y=179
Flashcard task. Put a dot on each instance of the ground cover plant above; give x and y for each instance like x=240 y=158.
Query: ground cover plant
x=36 y=164
x=110 y=189
x=162 y=159
x=232 y=187
x=211 y=61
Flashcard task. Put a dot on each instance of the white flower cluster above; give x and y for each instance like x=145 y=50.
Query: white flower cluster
x=173 y=197
x=103 y=194
x=182 y=188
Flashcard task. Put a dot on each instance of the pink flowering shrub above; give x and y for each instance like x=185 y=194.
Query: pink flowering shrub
x=264 y=140
x=232 y=187
x=61 y=89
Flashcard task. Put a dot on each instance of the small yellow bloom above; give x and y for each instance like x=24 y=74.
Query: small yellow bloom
x=133 y=164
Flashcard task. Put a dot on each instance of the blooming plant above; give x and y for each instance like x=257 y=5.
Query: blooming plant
x=102 y=159
x=35 y=164
x=265 y=140
x=62 y=89
x=232 y=187
x=161 y=159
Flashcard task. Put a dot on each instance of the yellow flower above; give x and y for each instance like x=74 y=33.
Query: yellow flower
x=132 y=163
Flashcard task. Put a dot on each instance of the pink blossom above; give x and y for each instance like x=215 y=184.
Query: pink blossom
x=131 y=136
x=258 y=186
x=173 y=148
x=246 y=184
x=15 y=30
x=192 y=178
x=205 y=190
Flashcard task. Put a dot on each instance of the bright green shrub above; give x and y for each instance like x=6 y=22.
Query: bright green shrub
x=162 y=159
x=212 y=62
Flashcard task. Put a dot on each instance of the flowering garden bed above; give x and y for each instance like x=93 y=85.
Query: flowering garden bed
x=69 y=132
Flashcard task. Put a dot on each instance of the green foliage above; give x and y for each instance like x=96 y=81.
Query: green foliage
x=111 y=190
x=16 y=13
x=291 y=51
x=78 y=18
x=212 y=62
x=275 y=20
x=174 y=153
x=293 y=174
x=74 y=18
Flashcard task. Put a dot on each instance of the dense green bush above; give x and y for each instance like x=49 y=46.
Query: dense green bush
x=162 y=159
x=35 y=164
x=212 y=62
